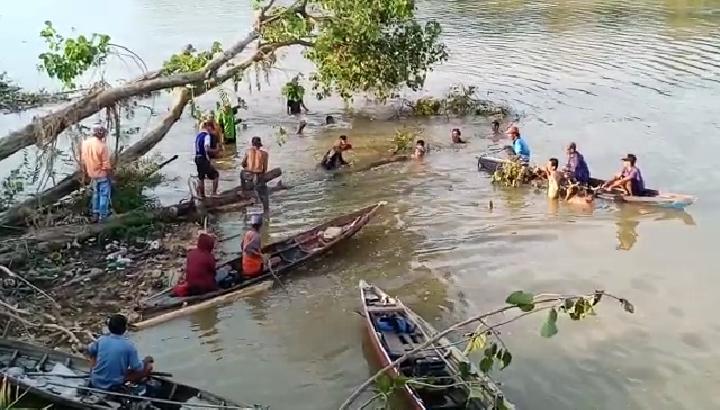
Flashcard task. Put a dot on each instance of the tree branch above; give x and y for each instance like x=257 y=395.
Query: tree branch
x=552 y=300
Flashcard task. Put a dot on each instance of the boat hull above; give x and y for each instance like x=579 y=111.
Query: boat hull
x=652 y=197
x=289 y=253
x=68 y=374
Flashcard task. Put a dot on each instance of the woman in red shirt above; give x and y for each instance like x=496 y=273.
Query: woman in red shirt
x=199 y=269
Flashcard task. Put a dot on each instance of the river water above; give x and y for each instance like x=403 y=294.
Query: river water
x=613 y=76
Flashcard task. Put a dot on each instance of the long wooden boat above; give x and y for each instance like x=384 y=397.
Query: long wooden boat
x=651 y=197
x=439 y=365
x=61 y=379
x=287 y=253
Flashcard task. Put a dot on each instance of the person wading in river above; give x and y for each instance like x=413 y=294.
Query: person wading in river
x=455 y=136
x=554 y=177
x=255 y=165
x=333 y=159
x=95 y=160
x=520 y=148
x=252 y=258
x=227 y=123
x=206 y=148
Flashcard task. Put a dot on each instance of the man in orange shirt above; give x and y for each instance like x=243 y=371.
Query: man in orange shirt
x=95 y=160
x=255 y=165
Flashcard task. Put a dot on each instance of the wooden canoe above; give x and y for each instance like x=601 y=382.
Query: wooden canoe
x=61 y=379
x=438 y=365
x=288 y=253
x=651 y=197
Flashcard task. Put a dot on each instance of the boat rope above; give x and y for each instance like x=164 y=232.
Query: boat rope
x=266 y=261
x=153 y=399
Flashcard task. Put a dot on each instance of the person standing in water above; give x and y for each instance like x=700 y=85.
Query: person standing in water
x=206 y=148
x=520 y=148
x=255 y=165
x=333 y=159
x=227 y=123
x=295 y=94
x=455 y=136
x=554 y=177
x=420 y=150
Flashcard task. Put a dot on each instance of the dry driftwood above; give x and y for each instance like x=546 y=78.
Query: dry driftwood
x=16 y=250
x=230 y=297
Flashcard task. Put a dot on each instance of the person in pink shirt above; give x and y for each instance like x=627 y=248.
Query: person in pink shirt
x=95 y=159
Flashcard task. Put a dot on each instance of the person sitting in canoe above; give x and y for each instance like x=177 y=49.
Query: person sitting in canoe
x=576 y=169
x=115 y=361
x=252 y=257
x=199 y=269
x=333 y=159
x=520 y=148
x=455 y=136
x=629 y=179
x=420 y=150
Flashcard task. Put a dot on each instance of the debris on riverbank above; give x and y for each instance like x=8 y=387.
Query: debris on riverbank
x=64 y=297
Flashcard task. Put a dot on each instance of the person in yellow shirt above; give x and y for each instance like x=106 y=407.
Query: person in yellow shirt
x=255 y=165
x=95 y=161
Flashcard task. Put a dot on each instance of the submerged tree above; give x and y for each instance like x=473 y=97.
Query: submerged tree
x=366 y=46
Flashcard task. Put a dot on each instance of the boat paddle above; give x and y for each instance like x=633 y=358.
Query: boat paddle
x=84 y=376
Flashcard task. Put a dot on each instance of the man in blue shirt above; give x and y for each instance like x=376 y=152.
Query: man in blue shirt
x=520 y=147
x=115 y=359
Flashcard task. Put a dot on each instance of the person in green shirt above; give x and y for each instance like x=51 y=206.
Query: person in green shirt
x=227 y=122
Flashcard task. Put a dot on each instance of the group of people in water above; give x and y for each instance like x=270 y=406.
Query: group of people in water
x=115 y=359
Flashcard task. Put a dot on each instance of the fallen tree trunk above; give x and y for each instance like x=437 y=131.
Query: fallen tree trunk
x=16 y=250
x=49 y=126
x=20 y=213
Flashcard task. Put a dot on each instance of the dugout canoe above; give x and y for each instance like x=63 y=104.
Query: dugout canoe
x=394 y=330
x=62 y=380
x=650 y=197
x=288 y=253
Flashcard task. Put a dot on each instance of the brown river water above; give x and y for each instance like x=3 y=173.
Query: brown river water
x=615 y=76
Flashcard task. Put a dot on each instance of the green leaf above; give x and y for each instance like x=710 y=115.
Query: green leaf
x=519 y=298
x=553 y=316
x=486 y=364
x=464 y=368
x=549 y=329
x=384 y=384
x=627 y=306
x=490 y=351
x=476 y=343
x=506 y=359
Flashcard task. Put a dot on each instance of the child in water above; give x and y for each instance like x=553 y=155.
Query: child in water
x=420 y=150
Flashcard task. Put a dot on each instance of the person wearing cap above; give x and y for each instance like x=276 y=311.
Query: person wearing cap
x=205 y=150
x=629 y=179
x=255 y=165
x=95 y=160
x=520 y=148
x=114 y=359
x=576 y=168
x=252 y=258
